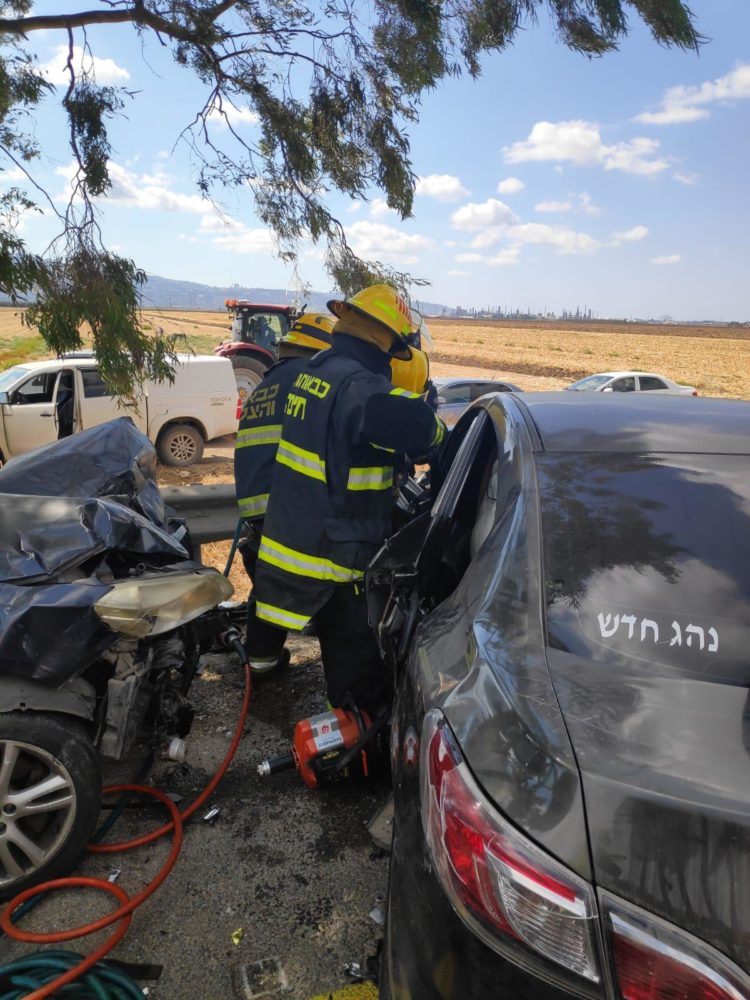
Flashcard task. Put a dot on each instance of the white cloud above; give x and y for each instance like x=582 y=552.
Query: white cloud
x=565 y=241
x=442 y=187
x=511 y=185
x=553 y=206
x=630 y=235
x=580 y=142
x=480 y=215
x=488 y=237
x=12 y=175
x=234 y=236
x=379 y=208
x=689 y=104
x=151 y=192
x=586 y=205
x=105 y=70
x=504 y=258
x=246 y=241
x=456 y=273
x=353 y=207
x=375 y=239
x=675 y=115
x=674 y=258
x=688 y=179
x=227 y=114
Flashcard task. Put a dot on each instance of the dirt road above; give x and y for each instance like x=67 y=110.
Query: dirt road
x=294 y=869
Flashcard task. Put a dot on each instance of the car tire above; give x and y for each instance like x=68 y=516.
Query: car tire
x=249 y=373
x=180 y=445
x=36 y=748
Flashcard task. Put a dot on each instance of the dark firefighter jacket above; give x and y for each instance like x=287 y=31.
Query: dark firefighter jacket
x=258 y=437
x=344 y=428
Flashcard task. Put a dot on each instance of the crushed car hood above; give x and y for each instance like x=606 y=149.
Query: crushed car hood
x=74 y=517
x=112 y=460
x=66 y=503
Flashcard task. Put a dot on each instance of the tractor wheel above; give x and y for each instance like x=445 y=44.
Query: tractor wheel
x=248 y=372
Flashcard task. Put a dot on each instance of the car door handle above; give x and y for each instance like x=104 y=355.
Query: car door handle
x=46 y=414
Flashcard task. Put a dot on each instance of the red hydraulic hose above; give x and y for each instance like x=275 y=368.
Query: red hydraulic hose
x=125 y=911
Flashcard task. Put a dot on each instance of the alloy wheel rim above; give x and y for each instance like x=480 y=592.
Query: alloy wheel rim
x=182 y=447
x=37 y=809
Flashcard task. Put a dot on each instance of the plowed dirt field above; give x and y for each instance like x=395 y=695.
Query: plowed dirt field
x=535 y=355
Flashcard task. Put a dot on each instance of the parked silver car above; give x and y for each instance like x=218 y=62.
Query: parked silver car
x=631 y=382
x=455 y=394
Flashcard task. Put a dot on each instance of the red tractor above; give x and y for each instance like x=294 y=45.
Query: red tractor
x=254 y=347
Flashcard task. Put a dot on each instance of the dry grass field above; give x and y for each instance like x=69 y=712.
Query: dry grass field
x=535 y=355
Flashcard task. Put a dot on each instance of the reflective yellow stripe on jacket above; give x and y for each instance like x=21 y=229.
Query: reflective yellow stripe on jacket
x=439 y=433
x=302 y=564
x=278 y=616
x=253 y=506
x=305 y=462
x=375 y=477
x=247 y=436
x=404 y=392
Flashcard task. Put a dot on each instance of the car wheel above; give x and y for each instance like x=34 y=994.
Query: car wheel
x=249 y=373
x=180 y=444
x=50 y=790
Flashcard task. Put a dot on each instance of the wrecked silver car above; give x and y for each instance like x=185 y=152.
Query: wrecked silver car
x=99 y=635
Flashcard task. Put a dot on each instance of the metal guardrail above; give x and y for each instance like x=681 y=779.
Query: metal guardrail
x=210 y=511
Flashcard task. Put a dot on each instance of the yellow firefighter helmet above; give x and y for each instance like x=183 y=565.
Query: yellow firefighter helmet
x=382 y=304
x=313 y=331
x=413 y=374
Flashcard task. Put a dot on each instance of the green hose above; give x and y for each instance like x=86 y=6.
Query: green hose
x=32 y=972
x=233 y=549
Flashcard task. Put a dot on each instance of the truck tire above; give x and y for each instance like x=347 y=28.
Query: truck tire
x=51 y=753
x=248 y=372
x=180 y=445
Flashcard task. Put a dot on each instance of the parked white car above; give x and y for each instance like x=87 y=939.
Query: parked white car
x=41 y=401
x=631 y=382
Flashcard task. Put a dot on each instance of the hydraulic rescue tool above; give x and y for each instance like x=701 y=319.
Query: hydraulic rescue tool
x=334 y=745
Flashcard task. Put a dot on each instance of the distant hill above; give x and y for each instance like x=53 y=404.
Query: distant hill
x=168 y=293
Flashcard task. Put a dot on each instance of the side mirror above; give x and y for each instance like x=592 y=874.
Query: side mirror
x=608 y=389
x=4 y=398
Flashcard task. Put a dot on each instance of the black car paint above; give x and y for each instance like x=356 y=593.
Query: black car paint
x=480 y=656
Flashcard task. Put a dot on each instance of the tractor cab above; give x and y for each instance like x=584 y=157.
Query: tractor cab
x=257 y=329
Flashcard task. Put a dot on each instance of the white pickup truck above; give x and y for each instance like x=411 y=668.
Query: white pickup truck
x=41 y=401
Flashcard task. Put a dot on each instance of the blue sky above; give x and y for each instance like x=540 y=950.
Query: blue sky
x=553 y=181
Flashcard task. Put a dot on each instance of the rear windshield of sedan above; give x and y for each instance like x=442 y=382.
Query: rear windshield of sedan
x=648 y=557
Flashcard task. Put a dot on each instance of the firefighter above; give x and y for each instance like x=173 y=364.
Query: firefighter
x=345 y=427
x=255 y=451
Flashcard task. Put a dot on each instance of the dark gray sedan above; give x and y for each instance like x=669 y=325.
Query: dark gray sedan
x=567 y=631
x=455 y=394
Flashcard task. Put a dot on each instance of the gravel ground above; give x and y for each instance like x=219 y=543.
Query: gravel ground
x=294 y=869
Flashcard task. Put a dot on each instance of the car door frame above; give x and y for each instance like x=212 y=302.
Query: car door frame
x=14 y=414
x=392 y=580
x=665 y=388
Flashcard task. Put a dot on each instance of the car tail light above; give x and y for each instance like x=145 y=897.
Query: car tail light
x=654 y=960
x=238 y=413
x=501 y=884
